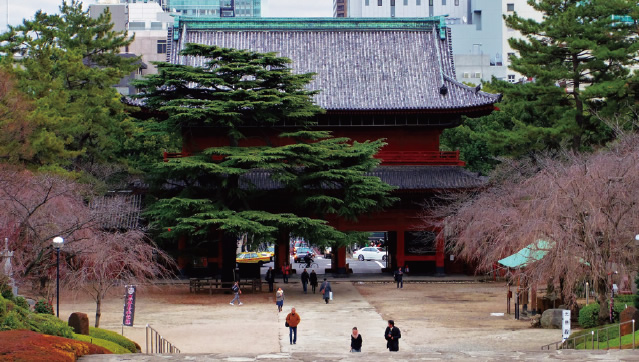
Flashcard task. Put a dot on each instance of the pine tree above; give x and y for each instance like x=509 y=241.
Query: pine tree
x=579 y=57
x=263 y=190
x=68 y=63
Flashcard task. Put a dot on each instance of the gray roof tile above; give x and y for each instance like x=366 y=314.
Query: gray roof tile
x=358 y=69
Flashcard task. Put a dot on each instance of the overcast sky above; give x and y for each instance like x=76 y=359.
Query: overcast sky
x=20 y=9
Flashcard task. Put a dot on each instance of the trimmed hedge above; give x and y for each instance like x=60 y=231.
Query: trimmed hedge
x=113 y=337
x=13 y=316
x=589 y=315
x=111 y=346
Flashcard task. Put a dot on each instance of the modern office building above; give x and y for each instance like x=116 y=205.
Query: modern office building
x=479 y=32
x=221 y=8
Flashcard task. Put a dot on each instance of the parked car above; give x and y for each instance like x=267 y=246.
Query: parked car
x=298 y=244
x=270 y=252
x=252 y=257
x=370 y=253
x=301 y=253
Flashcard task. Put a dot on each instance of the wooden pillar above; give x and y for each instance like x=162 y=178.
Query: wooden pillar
x=229 y=247
x=440 y=255
x=341 y=260
x=282 y=252
x=400 y=257
x=533 y=300
x=182 y=261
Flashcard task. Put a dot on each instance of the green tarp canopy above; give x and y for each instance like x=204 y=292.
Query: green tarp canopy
x=531 y=253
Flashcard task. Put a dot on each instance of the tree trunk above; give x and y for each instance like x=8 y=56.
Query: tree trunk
x=98 y=312
x=602 y=297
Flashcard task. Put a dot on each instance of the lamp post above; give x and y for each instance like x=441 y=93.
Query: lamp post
x=58 y=242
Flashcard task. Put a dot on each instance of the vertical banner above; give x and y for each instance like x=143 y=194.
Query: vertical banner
x=565 y=325
x=129 y=305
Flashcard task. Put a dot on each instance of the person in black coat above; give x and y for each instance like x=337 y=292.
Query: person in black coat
x=270 y=278
x=392 y=335
x=313 y=278
x=399 y=277
x=356 y=341
x=305 y=278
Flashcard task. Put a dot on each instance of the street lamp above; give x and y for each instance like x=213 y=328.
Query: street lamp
x=58 y=242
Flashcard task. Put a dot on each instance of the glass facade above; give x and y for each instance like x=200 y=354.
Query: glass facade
x=218 y=8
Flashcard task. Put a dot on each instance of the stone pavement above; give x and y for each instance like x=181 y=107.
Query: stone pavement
x=565 y=355
x=324 y=332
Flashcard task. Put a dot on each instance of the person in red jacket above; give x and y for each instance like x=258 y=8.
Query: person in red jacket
x=292 y=320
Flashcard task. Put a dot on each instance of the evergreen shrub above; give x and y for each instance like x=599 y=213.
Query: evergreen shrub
x=113 y=337
x=589 y=315
x=43 y=306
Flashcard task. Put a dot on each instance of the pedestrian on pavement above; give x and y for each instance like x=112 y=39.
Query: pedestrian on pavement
x=236 y=289
x=292 y=320
x=279 y=299
x=392 y=335
x=399 y=277
x=313 y=279
x=305 y=278
x=286 y=270
x=326 y=289
x=270 y=278
x=356 y=341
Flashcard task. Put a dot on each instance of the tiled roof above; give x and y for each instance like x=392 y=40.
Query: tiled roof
x=358 y=68
x=402 y=177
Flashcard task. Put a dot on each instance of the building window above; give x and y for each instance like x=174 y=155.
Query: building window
x=379 y=2
x=418 y=2
x=477 y=19
x=367 y=2
x=510 y=7
x=443 y=2
x=340 y=7
x=405 y=2
x=161 y=46
x=511 y=78
x=456 y=2
x=430 y=2
x=392 y=2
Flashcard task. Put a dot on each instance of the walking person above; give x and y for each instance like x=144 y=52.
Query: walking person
x=292 y=320
x=270 y=278
x=279 y=299
x=399 y=277
x=356 y=341
x=392 y=335
x=326 y=289
x=305 y=278
x=286 y=269
x=313 y=279
x=236 y=289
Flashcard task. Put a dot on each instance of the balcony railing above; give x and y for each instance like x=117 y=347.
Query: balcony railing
x=435 y=158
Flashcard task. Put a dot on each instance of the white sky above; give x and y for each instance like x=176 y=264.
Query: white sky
x=21 y=9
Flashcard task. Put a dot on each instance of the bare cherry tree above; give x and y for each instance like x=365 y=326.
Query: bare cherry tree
x=586 y=208
x=110 y=259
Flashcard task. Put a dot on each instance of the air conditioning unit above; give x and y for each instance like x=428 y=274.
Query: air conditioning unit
x=477 y=75
x=466 y=75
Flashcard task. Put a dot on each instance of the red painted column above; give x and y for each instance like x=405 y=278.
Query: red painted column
x=400 y=248
x=341 y=260
x=440 y=255
x=282 y=252
x=182 y=261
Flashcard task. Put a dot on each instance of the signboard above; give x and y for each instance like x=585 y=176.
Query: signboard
x=129 y=305
x=565 y=325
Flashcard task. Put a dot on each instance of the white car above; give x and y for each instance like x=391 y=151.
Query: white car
x=370 y=253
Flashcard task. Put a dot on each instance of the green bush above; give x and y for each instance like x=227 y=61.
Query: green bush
x=22 y=303
x=44 y=307
x=7 y=294
x=3 y=307
x=49 y=324
x=13 y=320
x=111 y=346
x=113 y=337
x=589 y=315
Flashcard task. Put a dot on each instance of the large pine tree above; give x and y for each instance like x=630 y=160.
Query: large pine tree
x=266 y=191
x=68 y=64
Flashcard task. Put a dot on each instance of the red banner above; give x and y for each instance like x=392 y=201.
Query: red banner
x=129 y=305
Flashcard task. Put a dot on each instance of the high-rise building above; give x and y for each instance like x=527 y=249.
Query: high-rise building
x=399 y=8
x=221 y=8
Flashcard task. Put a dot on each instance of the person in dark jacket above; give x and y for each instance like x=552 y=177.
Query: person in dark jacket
x=392 y=335
x=326 y=289
x=305 y=278
x=270 y=278
x=356 y=341
x=313 y=279
x=399 y=277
